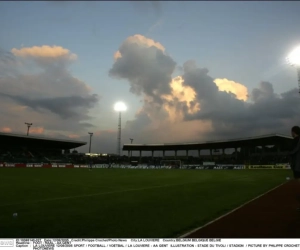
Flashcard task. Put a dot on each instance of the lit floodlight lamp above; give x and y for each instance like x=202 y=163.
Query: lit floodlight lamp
x=294 y=57
x=120 y=106
x=294 y=60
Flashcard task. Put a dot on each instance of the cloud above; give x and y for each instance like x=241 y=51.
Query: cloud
x=65 y=107
x=195 y=106
x=46 y=55
x=182 y=98
x=41 y=89
x=233 y=117
x=9 y=65
x=6 y=130
x=144 y=63
x=36 y=86
x=238 y=89
x=74 y=136
x=37 y=130
x=6 y=57
x=139 y=40
x=44 y=51
x=265 y=91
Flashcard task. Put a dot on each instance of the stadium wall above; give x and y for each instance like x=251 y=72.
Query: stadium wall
x=189 y=167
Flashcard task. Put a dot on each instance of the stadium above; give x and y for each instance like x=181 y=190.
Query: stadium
x=149 y=119
x=22 y=151
x=144 y=196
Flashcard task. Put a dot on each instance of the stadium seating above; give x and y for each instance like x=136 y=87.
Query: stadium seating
x=27 y=156
x=34 y=156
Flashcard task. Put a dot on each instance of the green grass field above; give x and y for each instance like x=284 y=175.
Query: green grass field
x=110 y=203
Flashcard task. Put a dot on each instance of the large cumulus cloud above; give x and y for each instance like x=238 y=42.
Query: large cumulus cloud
x=196 y=106
x=145 y=65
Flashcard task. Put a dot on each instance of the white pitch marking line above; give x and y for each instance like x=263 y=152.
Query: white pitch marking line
x=97 y=194
x=230 y=212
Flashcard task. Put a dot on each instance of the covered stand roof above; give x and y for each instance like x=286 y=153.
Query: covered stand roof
x=13 y=140
x=273 y=139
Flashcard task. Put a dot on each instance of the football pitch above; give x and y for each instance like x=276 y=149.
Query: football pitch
x=122 y=203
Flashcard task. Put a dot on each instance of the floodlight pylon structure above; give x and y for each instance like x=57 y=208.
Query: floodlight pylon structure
x=119 y=133
x=298 y=72
x=120 y=107
x=131 y=140
x=91 y=134
x=294 y=60
x=28 y=127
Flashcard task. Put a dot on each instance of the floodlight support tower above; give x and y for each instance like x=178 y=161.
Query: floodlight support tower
x=119 y=107
x=131 y=140
x=28 y=127
x=298 y=73
x=294 y=60
x=91 y=134
x=119 y=133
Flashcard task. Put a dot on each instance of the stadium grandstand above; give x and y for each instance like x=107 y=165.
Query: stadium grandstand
x=30 y=149
x=267 y=149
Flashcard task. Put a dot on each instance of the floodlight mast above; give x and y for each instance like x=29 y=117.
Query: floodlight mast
x=131 y=140
x=119 y=133
x=119 y=107
x=298 y=71
x=294 y=60
x=91 y=134
x=28 y=127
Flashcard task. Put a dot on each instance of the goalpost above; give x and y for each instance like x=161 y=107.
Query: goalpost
x=171 y=163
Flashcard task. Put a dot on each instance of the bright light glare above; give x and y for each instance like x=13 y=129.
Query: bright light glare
x=120 y=106
x=294 y=57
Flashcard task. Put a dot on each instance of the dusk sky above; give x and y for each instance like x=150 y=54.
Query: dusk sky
x=188 y=71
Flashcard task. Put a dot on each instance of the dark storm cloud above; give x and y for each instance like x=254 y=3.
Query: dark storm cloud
x=65 y=107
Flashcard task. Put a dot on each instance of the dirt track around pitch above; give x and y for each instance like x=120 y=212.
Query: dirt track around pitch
x=272 y=215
